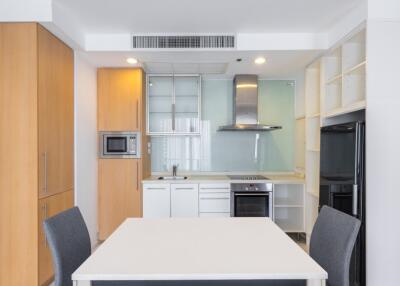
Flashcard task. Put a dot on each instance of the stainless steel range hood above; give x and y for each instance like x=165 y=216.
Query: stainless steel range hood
x=245 y=106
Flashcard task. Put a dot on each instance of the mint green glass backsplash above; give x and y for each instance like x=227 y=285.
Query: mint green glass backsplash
x=215 y=151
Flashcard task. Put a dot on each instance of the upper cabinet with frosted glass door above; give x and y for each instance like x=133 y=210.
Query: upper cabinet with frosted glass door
x=173 y=105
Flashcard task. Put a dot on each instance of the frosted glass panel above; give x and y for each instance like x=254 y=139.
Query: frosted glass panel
x=233 y=151
x=160 y=103
x=187 y=104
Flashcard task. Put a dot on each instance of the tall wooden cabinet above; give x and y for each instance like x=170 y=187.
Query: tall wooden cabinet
x=36 y=147
x=121 y=107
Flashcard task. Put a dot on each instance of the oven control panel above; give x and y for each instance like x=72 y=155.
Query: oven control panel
x=251 y=187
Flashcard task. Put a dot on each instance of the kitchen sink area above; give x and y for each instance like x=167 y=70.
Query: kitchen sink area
x=177 y=178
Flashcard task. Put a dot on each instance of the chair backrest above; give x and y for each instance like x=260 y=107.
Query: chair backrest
x=332 y=242
x=69 y=243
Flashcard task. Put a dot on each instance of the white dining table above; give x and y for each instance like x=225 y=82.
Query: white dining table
x=181 y=249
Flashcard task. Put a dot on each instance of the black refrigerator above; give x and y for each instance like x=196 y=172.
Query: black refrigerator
x=342 y=182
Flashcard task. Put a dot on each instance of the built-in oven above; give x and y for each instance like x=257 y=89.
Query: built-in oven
x=252 y=200
x=119 y=144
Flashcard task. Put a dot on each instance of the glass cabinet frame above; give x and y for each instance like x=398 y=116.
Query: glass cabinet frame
x=171 y=124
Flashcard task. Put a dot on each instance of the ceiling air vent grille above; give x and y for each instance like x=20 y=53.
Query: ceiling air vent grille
x=183 y=42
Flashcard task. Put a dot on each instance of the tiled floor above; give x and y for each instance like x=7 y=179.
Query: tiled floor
x=300 y=240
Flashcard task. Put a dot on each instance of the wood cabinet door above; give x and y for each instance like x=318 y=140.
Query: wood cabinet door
x=49 y=207
x=18 y=149
x=119 y=193
x=119 y=93
x=55 y=114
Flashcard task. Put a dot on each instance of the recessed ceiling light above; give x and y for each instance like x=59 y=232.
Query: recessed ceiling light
x=260 y=60
x=131 y=61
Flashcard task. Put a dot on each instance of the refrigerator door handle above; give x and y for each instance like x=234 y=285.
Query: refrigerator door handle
x=355 y=200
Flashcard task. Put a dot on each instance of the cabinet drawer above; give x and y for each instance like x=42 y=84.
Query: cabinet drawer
x=208 y=188
x=219 y=204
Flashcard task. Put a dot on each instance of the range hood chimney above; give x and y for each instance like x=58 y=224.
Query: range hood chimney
x=245 y=106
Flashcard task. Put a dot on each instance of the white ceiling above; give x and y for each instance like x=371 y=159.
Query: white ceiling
x=289 y=33
x=206 y=16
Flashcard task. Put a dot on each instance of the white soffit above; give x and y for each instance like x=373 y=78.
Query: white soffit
x=244 y=41
x=186 y=68
x=279 y=63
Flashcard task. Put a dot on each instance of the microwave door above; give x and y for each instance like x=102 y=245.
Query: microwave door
x=116 y=145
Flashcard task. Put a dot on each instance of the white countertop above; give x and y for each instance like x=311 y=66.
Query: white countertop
x=199 y=249
x=209 y=178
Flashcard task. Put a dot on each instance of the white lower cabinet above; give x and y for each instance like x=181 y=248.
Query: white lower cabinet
x=214 y=200
x=156 y=200
x=184 y=200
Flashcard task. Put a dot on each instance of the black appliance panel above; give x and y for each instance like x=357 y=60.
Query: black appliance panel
x=116 y=144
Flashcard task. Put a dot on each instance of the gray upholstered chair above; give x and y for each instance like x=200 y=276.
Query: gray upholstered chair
x=332 y=242
x=69 y=243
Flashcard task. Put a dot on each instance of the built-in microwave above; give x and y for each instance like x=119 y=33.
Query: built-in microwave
x=119 y=144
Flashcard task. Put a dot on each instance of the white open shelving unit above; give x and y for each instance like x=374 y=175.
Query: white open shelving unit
x=334 y=86
x=289 y=211
x=343 y=76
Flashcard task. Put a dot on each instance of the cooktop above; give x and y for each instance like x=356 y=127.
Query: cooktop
x=247 y=177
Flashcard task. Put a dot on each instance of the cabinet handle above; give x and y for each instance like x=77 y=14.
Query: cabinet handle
x=173 y=117
x=44 y=218
x=137 y=176
x=44 y=188
x=217 y=188
x=137 y=114
x=187 y=189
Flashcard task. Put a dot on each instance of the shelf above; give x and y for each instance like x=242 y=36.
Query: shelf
x=354 y=50
x=332 y=64
x=347 y=109
x=334 y=79
x=288 y=206
x=290 y=219
x=289 y=196
x=300 y=117
x=355 y=68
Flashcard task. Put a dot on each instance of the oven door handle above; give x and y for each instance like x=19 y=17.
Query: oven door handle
x=252 y=194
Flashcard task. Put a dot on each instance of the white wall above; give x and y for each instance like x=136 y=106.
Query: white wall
x=86 y=143
x=383 y=141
